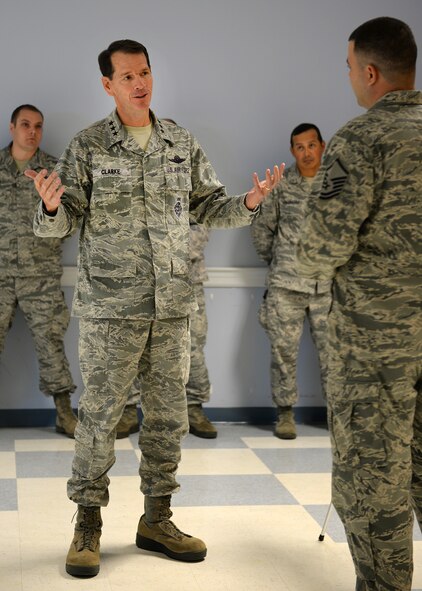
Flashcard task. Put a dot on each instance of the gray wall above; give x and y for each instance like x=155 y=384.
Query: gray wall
x=240 y=74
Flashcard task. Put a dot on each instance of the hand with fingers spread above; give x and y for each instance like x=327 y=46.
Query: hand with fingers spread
x=49 y=188
x=262 y=188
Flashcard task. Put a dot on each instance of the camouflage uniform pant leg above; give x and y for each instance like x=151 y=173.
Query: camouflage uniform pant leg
x=8 y=305
x=416 y=489
x=319 y=306
x=164 y=373
x=198 y=387
x=282 y=314
x=42 y=303
x=371 y=401
x=109 y=352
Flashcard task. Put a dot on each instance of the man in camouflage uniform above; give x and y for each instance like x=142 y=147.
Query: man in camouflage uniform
x=30 y=267
x=290 y=297
x=365 y=232
x=132 y=182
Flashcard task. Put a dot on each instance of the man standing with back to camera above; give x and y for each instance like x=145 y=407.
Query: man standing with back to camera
x=133 y=182
x=365 y=232
x=30 y=266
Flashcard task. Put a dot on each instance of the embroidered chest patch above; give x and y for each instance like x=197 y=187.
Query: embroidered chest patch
x=178 y=208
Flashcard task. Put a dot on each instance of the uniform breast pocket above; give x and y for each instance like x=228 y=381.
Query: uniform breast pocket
x=109 y=231
x=111 y=207
x=177 y=191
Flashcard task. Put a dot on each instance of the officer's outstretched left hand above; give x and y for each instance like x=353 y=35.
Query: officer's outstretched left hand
x=262 y=188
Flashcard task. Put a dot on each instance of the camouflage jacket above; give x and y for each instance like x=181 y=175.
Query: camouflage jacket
x=276 y=231
x=134 y=209
x=198 y=239
x=22 y=254
x=365 y=228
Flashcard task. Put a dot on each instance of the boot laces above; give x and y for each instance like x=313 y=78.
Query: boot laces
x=172 y=530
x=89 y=527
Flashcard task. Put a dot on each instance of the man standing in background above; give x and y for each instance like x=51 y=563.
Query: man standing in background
x=30 y=266
x=364 y=231
x=198 y=388
x=291 y=297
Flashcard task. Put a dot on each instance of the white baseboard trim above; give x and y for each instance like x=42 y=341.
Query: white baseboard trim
x=217 y=276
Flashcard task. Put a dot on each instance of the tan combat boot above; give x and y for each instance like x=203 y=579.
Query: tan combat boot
x=83 y=558
x=199 y=424
x=157 y=533
x=285 y=427
x=129 y=422
x=65 y=418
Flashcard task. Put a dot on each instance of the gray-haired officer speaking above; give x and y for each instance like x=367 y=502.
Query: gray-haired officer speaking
x=132 y=182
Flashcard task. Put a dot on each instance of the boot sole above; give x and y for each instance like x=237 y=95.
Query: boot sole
x=82 y=571
x=286 y=436
x=202 y=434
x=63 y=432
x=153 y=546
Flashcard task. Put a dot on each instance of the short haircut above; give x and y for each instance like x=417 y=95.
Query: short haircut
x=389 y=44
x=123 y=45
x=16 y=112
x=302 y=128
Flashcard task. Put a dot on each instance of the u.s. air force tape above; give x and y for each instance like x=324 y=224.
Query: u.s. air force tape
x=334 y=180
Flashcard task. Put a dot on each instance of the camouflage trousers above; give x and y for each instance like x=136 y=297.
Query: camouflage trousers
x=112 y=354
x=44 y=308
x=282 y=314
x=198 y=387
x=374 y=400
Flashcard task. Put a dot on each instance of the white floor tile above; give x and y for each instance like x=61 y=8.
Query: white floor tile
x=308 y=489
x=7 y=464
x=221 y=461
x=276 y=443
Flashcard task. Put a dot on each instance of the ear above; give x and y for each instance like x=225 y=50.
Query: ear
x=107 y=85
x=323 y=146
x=372 y=74
x=11 y=128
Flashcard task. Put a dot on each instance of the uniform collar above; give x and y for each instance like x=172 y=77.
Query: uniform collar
x=399 y=97
x=117 y=133
x=293 y=175
x=36 y=162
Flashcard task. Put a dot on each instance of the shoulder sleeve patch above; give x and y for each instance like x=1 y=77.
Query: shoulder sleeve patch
x=334 y=180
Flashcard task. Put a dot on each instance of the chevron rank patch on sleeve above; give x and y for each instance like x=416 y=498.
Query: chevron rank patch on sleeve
x=334 y=180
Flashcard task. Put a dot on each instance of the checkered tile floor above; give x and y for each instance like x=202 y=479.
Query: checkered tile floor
x=257 y=501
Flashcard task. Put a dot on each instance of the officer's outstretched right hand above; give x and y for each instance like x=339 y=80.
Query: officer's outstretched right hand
x=49 y=188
